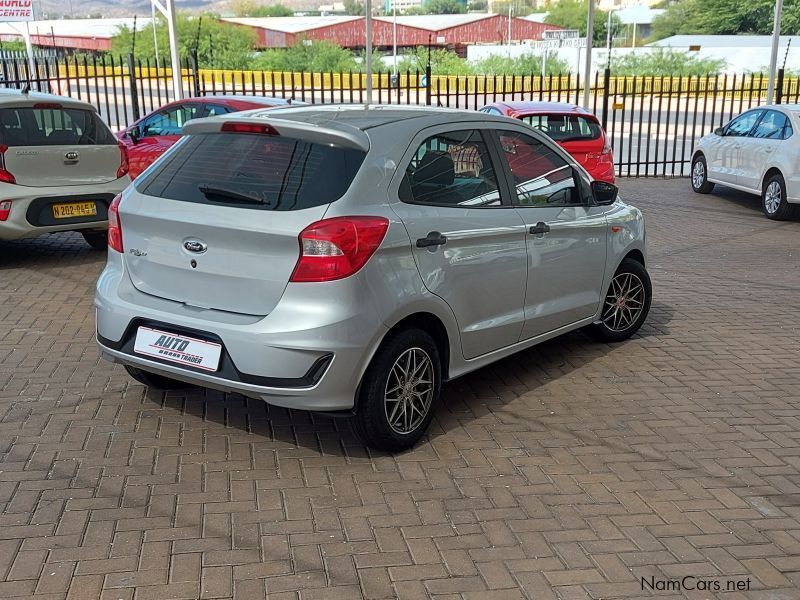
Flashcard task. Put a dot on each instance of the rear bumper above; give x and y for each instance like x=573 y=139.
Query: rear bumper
x=31 y=208
x=294 y=358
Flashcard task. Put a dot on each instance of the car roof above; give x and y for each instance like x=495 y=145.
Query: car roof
x=12 y=97
x=542 y=107
x=268 y=100
x=363 y=117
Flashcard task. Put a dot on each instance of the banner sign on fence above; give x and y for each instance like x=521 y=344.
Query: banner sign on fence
x=561 y=34
x=554 y=44
x=16 y=10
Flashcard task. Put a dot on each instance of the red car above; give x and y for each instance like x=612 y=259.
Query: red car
x=575 y=129
x=149 y=137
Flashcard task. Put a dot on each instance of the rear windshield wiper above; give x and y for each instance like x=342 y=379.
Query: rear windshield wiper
x=210 y=192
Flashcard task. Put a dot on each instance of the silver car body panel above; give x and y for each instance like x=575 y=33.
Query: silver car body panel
x=349 y=318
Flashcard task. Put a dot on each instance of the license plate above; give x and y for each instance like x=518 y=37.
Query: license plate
x=74 y=209
x=178 y=348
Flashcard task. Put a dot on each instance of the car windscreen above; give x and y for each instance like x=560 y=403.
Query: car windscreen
x=32 y=126
x=565 y=128
x=253 y=171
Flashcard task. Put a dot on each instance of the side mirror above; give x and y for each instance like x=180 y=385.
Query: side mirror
x=604 y=193
x=134 y=134
x=719 y=131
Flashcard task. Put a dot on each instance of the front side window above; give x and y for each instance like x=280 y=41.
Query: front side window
x=214 y=109
x=742 y=124
x=452 y=169
x=565 y=128
x=170 y=121
x=772 y=126
x=541 y=177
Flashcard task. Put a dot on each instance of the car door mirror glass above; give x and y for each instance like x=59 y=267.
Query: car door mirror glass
x=604 y=193
x=719 y=131
x=134 y=135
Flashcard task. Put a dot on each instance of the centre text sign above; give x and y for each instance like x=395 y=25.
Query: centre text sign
x=561 y=34
x=566 y=43
x=16 y=10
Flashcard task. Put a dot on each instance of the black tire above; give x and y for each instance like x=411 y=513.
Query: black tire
x=776 y=207
x=372 y=420
x=152 y=380
x=98 y=240
x=700 y=182
x=604 y=330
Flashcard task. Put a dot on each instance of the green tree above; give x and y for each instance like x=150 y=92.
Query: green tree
x=527 y=64
x=251 y=8
x=218 y=45
x=725 y=17
x=664 y=62
x=443 y=62
x=445 y=7
x=355 y=8
x=317 y=56
x=571 y=14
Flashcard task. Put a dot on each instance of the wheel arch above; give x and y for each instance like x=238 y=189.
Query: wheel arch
x=769 y=173
x=433 y=326
x=636 y=255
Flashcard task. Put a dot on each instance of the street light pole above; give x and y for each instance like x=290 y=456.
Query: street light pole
x=773 y=57
x=587 y=82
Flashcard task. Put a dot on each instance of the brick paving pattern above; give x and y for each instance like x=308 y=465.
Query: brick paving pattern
x=569 y=471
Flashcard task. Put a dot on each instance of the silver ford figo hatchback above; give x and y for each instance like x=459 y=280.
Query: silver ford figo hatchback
x=351 y=259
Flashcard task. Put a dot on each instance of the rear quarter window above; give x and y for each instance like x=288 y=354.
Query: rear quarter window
x=52 y=127
x=253 y=171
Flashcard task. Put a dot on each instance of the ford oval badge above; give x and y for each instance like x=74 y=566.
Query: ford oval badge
x=195 y=246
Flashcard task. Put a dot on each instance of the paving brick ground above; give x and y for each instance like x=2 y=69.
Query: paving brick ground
x=570 y=471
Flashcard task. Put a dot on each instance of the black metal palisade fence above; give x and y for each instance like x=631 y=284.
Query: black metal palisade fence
x=653 y=122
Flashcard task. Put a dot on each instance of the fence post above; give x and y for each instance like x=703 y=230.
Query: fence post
x=606 y=89
x=134 y=88
x=428 y=84
x=779 y=86
x=195 y=73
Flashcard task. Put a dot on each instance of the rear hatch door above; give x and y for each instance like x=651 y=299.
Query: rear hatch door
x=216 y=223
x=580 y=135
x=49 y=145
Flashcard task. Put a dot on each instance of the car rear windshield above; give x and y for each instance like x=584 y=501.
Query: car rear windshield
x=52 y=127
x=565 y=128
x=253 y=171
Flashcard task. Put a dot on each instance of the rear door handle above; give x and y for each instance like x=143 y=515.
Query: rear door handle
x=540 y=227
x=434 y=238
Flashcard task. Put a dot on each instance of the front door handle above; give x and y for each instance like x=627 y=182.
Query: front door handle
x=540 y=227
x=434 y=238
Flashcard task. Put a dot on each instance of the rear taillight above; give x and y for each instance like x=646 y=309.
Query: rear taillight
x=123 y=161
x=607 y=146
x=5 y=175
x=115 y=226
x=337 y=248
x=5 y=209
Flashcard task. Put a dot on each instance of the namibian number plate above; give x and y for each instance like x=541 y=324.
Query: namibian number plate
x=178 y=348
x=74 y=209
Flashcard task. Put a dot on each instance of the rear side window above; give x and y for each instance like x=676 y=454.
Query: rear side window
x=565 y=128
x=53 y=127
x=254 y=171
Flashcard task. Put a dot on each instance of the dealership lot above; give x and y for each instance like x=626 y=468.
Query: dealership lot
x=572 y=470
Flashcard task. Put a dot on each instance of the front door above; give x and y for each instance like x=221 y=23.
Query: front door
x=726 y=153
x=760 y=147
x=566 y=234
x=468 y=242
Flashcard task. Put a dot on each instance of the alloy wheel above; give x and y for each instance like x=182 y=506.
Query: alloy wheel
x=624 y=302
x=409 y=390
x=772 y=197
x=698 y=174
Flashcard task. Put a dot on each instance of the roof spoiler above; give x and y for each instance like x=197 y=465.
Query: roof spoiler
x=342 y=135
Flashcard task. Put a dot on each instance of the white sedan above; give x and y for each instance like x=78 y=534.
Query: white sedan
x=757 y=152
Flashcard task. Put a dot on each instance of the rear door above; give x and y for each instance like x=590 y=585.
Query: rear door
x=566 y=234
x=216 y=223
x=468 y=244
x=52 y=145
